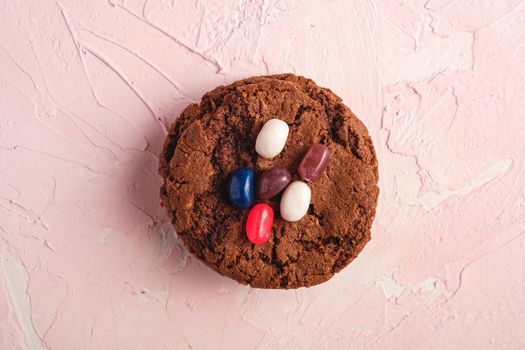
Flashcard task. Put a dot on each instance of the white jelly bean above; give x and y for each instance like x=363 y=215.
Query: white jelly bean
x=295 y=201
x=272 y=138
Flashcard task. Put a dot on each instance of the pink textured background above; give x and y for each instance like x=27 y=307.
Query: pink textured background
x=88 y=259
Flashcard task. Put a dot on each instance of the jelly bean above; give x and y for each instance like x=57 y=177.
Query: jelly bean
x=314 y=162
x=259 y=223
x=241 y=187
x=272 y=182
x=272 y=138
x=295 y=201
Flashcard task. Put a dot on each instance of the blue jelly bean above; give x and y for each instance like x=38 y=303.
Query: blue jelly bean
x=241 y=188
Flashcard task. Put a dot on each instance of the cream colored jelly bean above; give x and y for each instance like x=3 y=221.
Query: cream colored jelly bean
x=272 y=138
x=295 y=201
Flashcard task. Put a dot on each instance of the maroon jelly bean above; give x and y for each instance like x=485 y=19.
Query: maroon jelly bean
x=272 y=182
x=314 y=162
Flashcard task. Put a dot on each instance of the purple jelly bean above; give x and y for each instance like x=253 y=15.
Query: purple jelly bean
x=314 y=162
x=272 y=182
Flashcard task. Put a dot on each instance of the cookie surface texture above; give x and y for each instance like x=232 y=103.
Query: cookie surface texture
x=211 y=140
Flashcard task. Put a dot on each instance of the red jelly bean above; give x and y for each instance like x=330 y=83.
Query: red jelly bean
x=259 y=223
x=314 y=162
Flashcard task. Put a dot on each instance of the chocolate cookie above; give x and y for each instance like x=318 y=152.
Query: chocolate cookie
x=209 y=141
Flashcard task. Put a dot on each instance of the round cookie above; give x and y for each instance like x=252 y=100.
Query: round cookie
x=209 y=141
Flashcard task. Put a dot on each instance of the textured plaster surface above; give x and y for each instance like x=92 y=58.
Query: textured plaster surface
x=88 y=259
